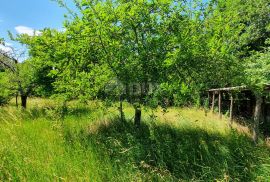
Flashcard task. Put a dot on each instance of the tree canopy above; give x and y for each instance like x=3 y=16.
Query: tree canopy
x=181 y=47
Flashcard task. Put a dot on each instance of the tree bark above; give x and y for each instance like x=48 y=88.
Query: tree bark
x=122 y=117
x=257 y=118
x=16 y=99
x=127 y=92
x=24 y=101
x=138 y=114
x=146 y=88
x=142 y=90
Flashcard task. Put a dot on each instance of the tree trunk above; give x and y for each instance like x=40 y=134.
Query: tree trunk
x=121 y=108
x=127 y=92
x=138 y=114
x=24 y=100
x=257 y=118
x=142 y=90
x=16 y=99
x=146 y=88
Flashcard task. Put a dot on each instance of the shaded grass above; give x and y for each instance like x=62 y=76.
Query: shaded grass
x=91 y=144
x=162 y=152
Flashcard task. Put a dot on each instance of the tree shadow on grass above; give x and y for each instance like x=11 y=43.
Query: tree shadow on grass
x=178 y=153
x=56 y=112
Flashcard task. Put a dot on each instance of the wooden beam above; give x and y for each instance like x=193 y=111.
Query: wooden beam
x=238 y=88
x=219 y=104
x=213 y=102
x=228 y=88
x=231 y=109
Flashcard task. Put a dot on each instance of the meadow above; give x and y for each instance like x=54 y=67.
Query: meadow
x=88 y=142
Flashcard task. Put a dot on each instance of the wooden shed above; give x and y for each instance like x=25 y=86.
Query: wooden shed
x=242 y=102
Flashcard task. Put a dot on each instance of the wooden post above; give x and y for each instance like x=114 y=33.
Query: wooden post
x=264 y=118
x=231 y=109
x=219 y=104
x=257 y=118
x=213 y=102
x=208 y=99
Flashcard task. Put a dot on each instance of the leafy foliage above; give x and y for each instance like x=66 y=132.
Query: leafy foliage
x=5 y=94
x=257 y=70
x=182 y=47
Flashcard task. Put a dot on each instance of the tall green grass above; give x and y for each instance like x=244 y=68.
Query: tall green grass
x=49 y=142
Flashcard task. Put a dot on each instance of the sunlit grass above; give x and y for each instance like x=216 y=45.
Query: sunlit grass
x=48 y=142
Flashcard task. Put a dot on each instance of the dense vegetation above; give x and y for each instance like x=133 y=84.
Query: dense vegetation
x=181 y=47
x=115 y=55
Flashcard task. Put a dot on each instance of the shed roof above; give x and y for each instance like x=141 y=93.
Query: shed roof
x=229 y=88
x=240 y=88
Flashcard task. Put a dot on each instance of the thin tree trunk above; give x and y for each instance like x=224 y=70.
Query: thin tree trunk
x=146 y=88
x=138 y=114
x=121 y=108
x=141 y=86
x=24 y=100
x=16 y=99
x=127 y=92
x=257 y=118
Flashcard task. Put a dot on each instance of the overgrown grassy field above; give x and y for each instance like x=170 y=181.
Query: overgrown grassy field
x=48 y=142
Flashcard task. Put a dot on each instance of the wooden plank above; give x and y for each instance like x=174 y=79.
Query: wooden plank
x=239 y=88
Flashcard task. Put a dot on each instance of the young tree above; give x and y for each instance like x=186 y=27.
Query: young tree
x=25 y=80
x=68 y=62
